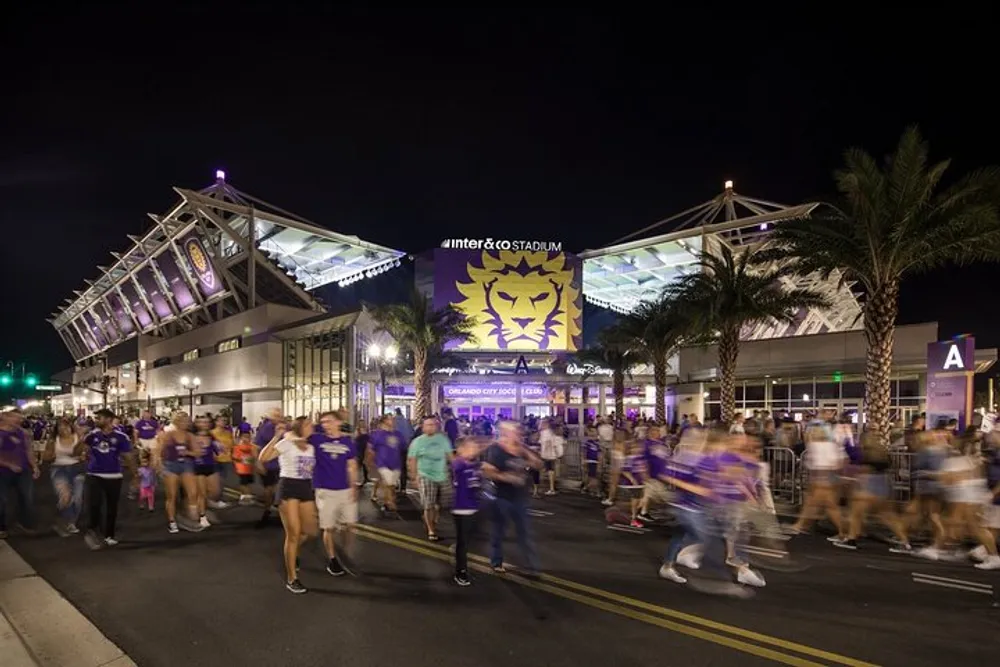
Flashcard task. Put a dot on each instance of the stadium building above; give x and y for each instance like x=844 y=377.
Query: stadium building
x=231 y=303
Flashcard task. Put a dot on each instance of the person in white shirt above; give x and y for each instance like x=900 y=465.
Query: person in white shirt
x=824 y=460
x=968 y=494
x=552 y=449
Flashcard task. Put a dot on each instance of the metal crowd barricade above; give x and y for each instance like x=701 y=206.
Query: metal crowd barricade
x=571 y=466
x=784 y=467
x=901 y=475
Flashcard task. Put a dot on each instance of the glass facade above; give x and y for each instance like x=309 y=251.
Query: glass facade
x=315 y=376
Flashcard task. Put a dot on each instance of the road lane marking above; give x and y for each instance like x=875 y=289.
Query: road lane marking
x=645 y=606
x=534 y=512
x=977 y=584
x=620 y=610
x=957 y=584
x=944 y=584
x=629 y=529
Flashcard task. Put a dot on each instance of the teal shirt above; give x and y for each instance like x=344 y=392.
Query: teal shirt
x=431 y=453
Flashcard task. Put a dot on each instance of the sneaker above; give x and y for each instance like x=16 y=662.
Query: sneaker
x=72 y=529
x=92 y=540
x=901 y=548
x=688 y=560
x=462 y=579
x=203 y=522
x=218 y=504
x=172 y=527
x=432 y=537
x=189 y=525
x=845 y=544
x=635 y=523
x=607 y=502
x=979 y=554
x=990 y=563
x=499 y=569
x=645 y=518
x=550 y=492
x=750 y=577
x=736 y=561
x=335 y=569
x=295 y=587
x=61 y=530
x=111 y=542
x=930 y=553
x=669 y=573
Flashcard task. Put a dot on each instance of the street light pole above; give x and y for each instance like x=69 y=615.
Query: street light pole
x=190 y=384
x=382 y=357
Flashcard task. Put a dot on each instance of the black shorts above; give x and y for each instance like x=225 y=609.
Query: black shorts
x=550 y=465
x=592 y=469
x=290 y=488
x=269 y=478
x=205 y=471
x=246 y=480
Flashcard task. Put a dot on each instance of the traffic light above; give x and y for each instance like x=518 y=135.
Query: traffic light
x=30 y=381
x=5 y=379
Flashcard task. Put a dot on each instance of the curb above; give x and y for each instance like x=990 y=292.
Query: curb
x=40 y=628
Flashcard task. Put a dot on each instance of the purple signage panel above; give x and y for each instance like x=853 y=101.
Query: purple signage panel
x=175 y=282
x=124 y=322
x=396 y=390
x=137 y=305
x=104 y=320
x=80 y=329
x=152 y=289
x=198 y=259
x=94 y=330
x=952 y=356
x=496 y=391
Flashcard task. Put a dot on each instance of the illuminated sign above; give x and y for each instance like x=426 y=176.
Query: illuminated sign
x=494 y=391
x=588 y=369
x=48 y=387
x=519 y=301
x=951 y=366
x=502 y=244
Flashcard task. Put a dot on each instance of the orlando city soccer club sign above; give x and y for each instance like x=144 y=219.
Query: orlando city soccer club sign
x=519 y=299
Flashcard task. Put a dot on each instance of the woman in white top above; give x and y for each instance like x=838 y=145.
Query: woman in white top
x=823 y=459
x=297 y=501
x=552 y=449
x=65 y=451
x=968 y=496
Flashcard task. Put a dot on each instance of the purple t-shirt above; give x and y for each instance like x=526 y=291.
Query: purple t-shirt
x=14 y=449
x=332 y=458
x=209 y=450
x=147 y=477
x=656 y=454
x=733 y=479
x=388 y=449
x=264 y=435
x=104 y=452
x=146 y=429
x=245 y=427
x=684 y=466
x=591 y=451
x=635 y=465
x=466 y=479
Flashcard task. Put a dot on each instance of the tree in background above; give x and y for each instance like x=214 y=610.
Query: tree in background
x=616 y=351
x=657 y=327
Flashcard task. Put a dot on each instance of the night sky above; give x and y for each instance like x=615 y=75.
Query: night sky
x=408 y=127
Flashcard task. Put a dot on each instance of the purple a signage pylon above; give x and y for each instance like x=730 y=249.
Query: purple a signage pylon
x=951 y=366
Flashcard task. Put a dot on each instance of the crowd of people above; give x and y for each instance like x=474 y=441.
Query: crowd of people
x=711 y=482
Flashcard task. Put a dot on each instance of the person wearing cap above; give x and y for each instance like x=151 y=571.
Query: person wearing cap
x=18 y=470
x=105 y=447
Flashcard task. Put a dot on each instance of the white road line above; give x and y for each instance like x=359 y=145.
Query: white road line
x=761 y=551
x=955 y=586
x=534 y=512
x=629 y=529
x=962 y=582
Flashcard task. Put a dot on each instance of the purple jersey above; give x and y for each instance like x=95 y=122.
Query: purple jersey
x=590 y=451
x=333 y=456
x=466 y=480
x=635 y=467
x=656 y=454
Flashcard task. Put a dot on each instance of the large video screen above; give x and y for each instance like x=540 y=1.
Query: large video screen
x=519 y=299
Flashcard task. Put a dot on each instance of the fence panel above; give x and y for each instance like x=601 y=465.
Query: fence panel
x=783 y=466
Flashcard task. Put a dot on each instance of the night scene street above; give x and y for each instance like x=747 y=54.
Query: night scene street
x=495 y=337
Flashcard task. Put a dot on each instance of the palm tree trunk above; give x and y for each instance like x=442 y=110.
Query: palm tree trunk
x=618 y=389
x=729 y=352
x=421 y=385
x=660 y=382
x=880 y=311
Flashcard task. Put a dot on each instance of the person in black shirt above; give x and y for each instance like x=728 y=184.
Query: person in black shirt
x=507 y=464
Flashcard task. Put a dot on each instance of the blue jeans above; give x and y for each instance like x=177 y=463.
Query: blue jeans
x=517 y=512
x=692 y=530
x=701 y=528
x=68 y=484
x=24 y=488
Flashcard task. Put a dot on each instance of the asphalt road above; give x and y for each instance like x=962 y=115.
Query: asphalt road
x=217 y=597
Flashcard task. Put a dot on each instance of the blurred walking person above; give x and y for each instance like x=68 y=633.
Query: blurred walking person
x=506 y=464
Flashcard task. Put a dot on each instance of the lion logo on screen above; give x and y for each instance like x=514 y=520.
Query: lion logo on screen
x=522 y=301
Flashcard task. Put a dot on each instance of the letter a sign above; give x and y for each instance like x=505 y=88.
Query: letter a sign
x=954 y=359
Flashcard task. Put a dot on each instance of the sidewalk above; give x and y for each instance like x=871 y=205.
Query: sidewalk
x=40 y=628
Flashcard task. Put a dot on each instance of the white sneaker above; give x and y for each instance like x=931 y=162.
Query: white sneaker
x=246 y=499
x=669 y=573
x=690 y=557
x=930 y=553
x=750 y=577
x=110 y=541
x=989 y=563
x=204 y=522
x=979 y=554
x=607 y=502
x=172 y=527
x=218 y=504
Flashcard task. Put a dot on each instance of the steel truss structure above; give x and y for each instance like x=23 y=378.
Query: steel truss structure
x=623 y=275
x=216 y=253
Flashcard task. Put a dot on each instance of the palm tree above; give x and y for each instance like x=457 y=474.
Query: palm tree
x=658 y=327
x=616 y=351
x=732 y=292
x=894 y=220
x=422 y=330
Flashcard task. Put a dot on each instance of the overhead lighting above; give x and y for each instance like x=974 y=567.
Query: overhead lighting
x=729 y=185
x=220 y=175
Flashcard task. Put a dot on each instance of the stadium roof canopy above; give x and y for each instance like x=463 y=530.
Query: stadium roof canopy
x=217 y=252
x=638 y=267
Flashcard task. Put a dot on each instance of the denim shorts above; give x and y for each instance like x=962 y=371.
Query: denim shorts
x=876 y=484
x=178 y=467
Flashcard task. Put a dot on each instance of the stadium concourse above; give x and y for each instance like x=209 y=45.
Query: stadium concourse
x=216 y=597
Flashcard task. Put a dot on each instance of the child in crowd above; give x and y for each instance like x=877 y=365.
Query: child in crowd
x=244 y=456
x=465 y=475
x=147 y=481
x=591 y=456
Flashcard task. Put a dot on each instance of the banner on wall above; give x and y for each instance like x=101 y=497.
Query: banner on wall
x=951 y=367
x=519 y=300
x=136 y=305
x=104 y=320
x=149 y=285
x=124 y=322
x=198 y=259
x=95 y=331
x=167 y=264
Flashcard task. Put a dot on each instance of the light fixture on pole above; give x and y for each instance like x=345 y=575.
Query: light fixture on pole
x=383 y=358
x=191 y=384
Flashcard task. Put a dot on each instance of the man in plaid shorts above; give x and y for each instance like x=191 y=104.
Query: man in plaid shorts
x=428 y=461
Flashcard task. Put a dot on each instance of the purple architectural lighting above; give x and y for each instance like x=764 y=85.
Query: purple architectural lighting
x=220 y=175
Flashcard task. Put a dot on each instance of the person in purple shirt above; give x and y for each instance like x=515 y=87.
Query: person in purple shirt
x=590 y=453
x=268 y=471
x=466 y=479
x=655 y=453
x=18 y=470
x=244 y=426
x=386 y=445
x=450 y=426
x=335 y=480
x=146 y=429
x=206 y=472
x=104 y=450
